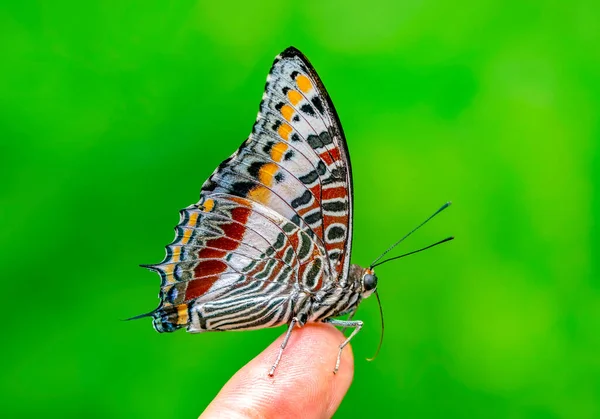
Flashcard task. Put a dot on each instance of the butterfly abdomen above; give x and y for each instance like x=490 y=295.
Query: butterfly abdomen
x=170 y=319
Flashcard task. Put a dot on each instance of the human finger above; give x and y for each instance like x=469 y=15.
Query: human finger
x=304 y=384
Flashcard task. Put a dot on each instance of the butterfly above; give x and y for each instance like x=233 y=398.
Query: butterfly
x=270 y=240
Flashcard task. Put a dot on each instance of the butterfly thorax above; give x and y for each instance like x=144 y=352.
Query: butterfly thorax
x=338 y=298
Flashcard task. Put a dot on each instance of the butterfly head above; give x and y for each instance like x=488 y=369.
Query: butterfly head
x=368 y=282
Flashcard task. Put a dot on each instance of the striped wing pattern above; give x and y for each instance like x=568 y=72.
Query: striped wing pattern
x=274 y=221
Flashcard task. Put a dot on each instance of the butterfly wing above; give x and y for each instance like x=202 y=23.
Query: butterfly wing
x=234 y=264
x=296 y=160
x=273 y=219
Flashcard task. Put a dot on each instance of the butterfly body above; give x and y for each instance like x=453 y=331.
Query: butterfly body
x=269 y=242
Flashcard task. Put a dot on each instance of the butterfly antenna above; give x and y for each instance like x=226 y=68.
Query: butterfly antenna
x=446 y=205
x=382 y=328
x=447 y=239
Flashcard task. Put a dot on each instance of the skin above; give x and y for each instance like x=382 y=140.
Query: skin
x=303 y=386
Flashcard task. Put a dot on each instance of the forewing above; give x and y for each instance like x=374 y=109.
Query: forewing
x=296 y=160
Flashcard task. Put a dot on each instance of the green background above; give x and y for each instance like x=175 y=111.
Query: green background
x=112 y=114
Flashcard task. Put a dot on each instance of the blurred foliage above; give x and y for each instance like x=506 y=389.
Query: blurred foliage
x=113 y=114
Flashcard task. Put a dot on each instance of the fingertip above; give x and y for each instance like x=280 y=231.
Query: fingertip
x=303 y=385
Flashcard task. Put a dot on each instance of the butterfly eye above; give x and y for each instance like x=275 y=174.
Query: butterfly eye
x=369 y=282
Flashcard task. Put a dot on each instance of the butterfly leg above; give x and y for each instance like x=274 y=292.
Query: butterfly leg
x=356 y=324
x=348 y=319
x=283 y=345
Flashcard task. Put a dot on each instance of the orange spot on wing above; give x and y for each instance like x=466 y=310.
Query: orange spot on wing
x=294 y=96
x=208 y=205
x=287 y=111
x=278 y=150
x=284 y=131
x=168 y=269
x=168 y=274
x=304 y=83
x=260 y=194
x=193 y=220
x=176 y=254
x=266 y=173
x=182 y=314
x=186 y=236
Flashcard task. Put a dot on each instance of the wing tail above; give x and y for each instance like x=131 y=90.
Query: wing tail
x=167 y=319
